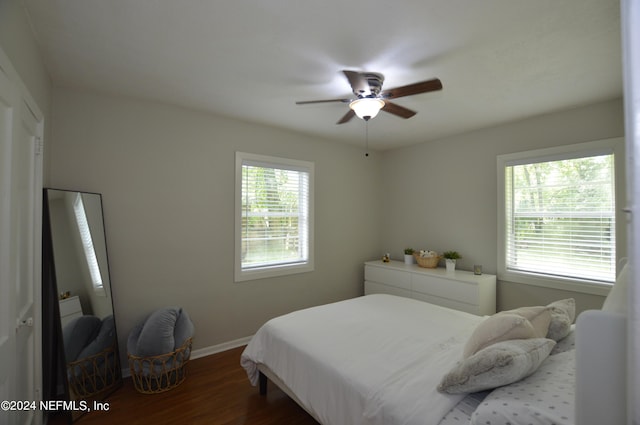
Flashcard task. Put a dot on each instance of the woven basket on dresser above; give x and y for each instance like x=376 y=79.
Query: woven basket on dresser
x=427 y=262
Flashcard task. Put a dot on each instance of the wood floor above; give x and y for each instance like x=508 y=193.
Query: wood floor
x=216 y=392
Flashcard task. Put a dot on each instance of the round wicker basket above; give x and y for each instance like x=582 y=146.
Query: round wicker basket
x=427 y=262
x=156 y=374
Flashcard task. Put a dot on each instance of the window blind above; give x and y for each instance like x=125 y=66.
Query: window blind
x=560 y=218
x=275 y=215
x=87 y=245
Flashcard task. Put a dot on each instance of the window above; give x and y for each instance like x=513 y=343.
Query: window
x=557 y=219
x=87 y=245
x=274 y=216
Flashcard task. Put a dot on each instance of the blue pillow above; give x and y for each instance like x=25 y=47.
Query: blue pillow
x=132 y=340
x=183 y=331
x=105 y=338
x=78 y=333
x=156 y=336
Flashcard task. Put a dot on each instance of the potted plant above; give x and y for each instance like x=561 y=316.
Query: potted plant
x=408 y=255
x=450 y=258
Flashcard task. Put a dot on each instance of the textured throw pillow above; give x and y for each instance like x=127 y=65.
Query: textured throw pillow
x=499 y=364
x=545 y=397
x=499 y=327
x=565 y=344
x=539 y=316
x=563 y=313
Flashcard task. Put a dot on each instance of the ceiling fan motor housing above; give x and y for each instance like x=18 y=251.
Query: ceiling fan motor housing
x=375 y=80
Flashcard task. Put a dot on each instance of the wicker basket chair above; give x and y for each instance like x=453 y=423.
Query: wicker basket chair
x=158 y=350
x=93 y=375
x=92 y=361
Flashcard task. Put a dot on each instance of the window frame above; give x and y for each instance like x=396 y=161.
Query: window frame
x=598 y=147
x=240 y=274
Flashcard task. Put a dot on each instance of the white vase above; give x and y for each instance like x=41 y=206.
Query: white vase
x=408 y=258
x=451 y=264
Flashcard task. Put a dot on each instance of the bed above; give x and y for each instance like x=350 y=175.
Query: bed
x=381 y=359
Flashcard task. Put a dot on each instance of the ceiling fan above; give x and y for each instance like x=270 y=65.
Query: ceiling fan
x=370 y=98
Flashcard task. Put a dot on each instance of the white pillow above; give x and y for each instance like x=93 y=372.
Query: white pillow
x=498 y=364
x=539 y=316
x=616 y=301
x=545 y=397
x=506 y=325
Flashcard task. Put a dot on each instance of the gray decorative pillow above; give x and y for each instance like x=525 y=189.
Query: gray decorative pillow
x=184 y=329
x=545 y=397
x=132 y=339
x=78 y=333
x=563 y=313
x=496 y=365
x=565 y=344
x=106 y=338
x=156 y=336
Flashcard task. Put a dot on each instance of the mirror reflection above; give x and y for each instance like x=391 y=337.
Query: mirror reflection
x=80 y=253
x=83 y=289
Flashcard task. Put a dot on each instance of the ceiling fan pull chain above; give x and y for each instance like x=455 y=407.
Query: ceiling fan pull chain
x=366 y=142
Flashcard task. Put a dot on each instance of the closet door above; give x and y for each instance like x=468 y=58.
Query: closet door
x=20 y=249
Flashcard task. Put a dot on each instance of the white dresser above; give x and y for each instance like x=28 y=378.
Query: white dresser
x=460 y=290
x=69 y=309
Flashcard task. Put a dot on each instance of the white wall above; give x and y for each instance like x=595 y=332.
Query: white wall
x=167 y=179
x=166 y=175
x=443 y=195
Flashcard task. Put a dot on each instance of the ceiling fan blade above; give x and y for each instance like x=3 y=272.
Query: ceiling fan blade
x=398 y=110
x=347 y=117
x=306 y=102
x=358 y=83
x=411 y=89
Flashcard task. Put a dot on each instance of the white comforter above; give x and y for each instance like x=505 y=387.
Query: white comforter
x=373 y=360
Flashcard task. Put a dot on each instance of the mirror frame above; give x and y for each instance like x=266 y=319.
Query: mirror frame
x=54 y=368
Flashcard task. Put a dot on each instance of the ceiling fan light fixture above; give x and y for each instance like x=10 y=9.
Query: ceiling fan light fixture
x=367 y=107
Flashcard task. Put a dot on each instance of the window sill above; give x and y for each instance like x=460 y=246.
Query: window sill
x=572 y=285
x=269 y=272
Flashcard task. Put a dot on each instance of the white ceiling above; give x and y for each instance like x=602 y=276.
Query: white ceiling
x=498 y=60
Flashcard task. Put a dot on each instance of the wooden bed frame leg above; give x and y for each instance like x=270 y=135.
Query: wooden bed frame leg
x=263 y=383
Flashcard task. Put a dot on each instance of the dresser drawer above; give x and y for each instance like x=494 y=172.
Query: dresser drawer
x=391 y=277
x=445 y=288
x=379 y=288
x=449 y=303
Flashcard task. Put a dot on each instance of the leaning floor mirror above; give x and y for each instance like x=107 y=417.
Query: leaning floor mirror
x=81 y=362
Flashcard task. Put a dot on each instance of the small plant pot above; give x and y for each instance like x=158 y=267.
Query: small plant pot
x=408 y=258
x=451 y=264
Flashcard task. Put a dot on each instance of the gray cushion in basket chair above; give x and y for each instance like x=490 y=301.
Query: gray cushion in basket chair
x=85 y=337
x=78 y=333
x=162 y=332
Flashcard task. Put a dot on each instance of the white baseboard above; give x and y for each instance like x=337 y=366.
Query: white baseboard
x=207 y=351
